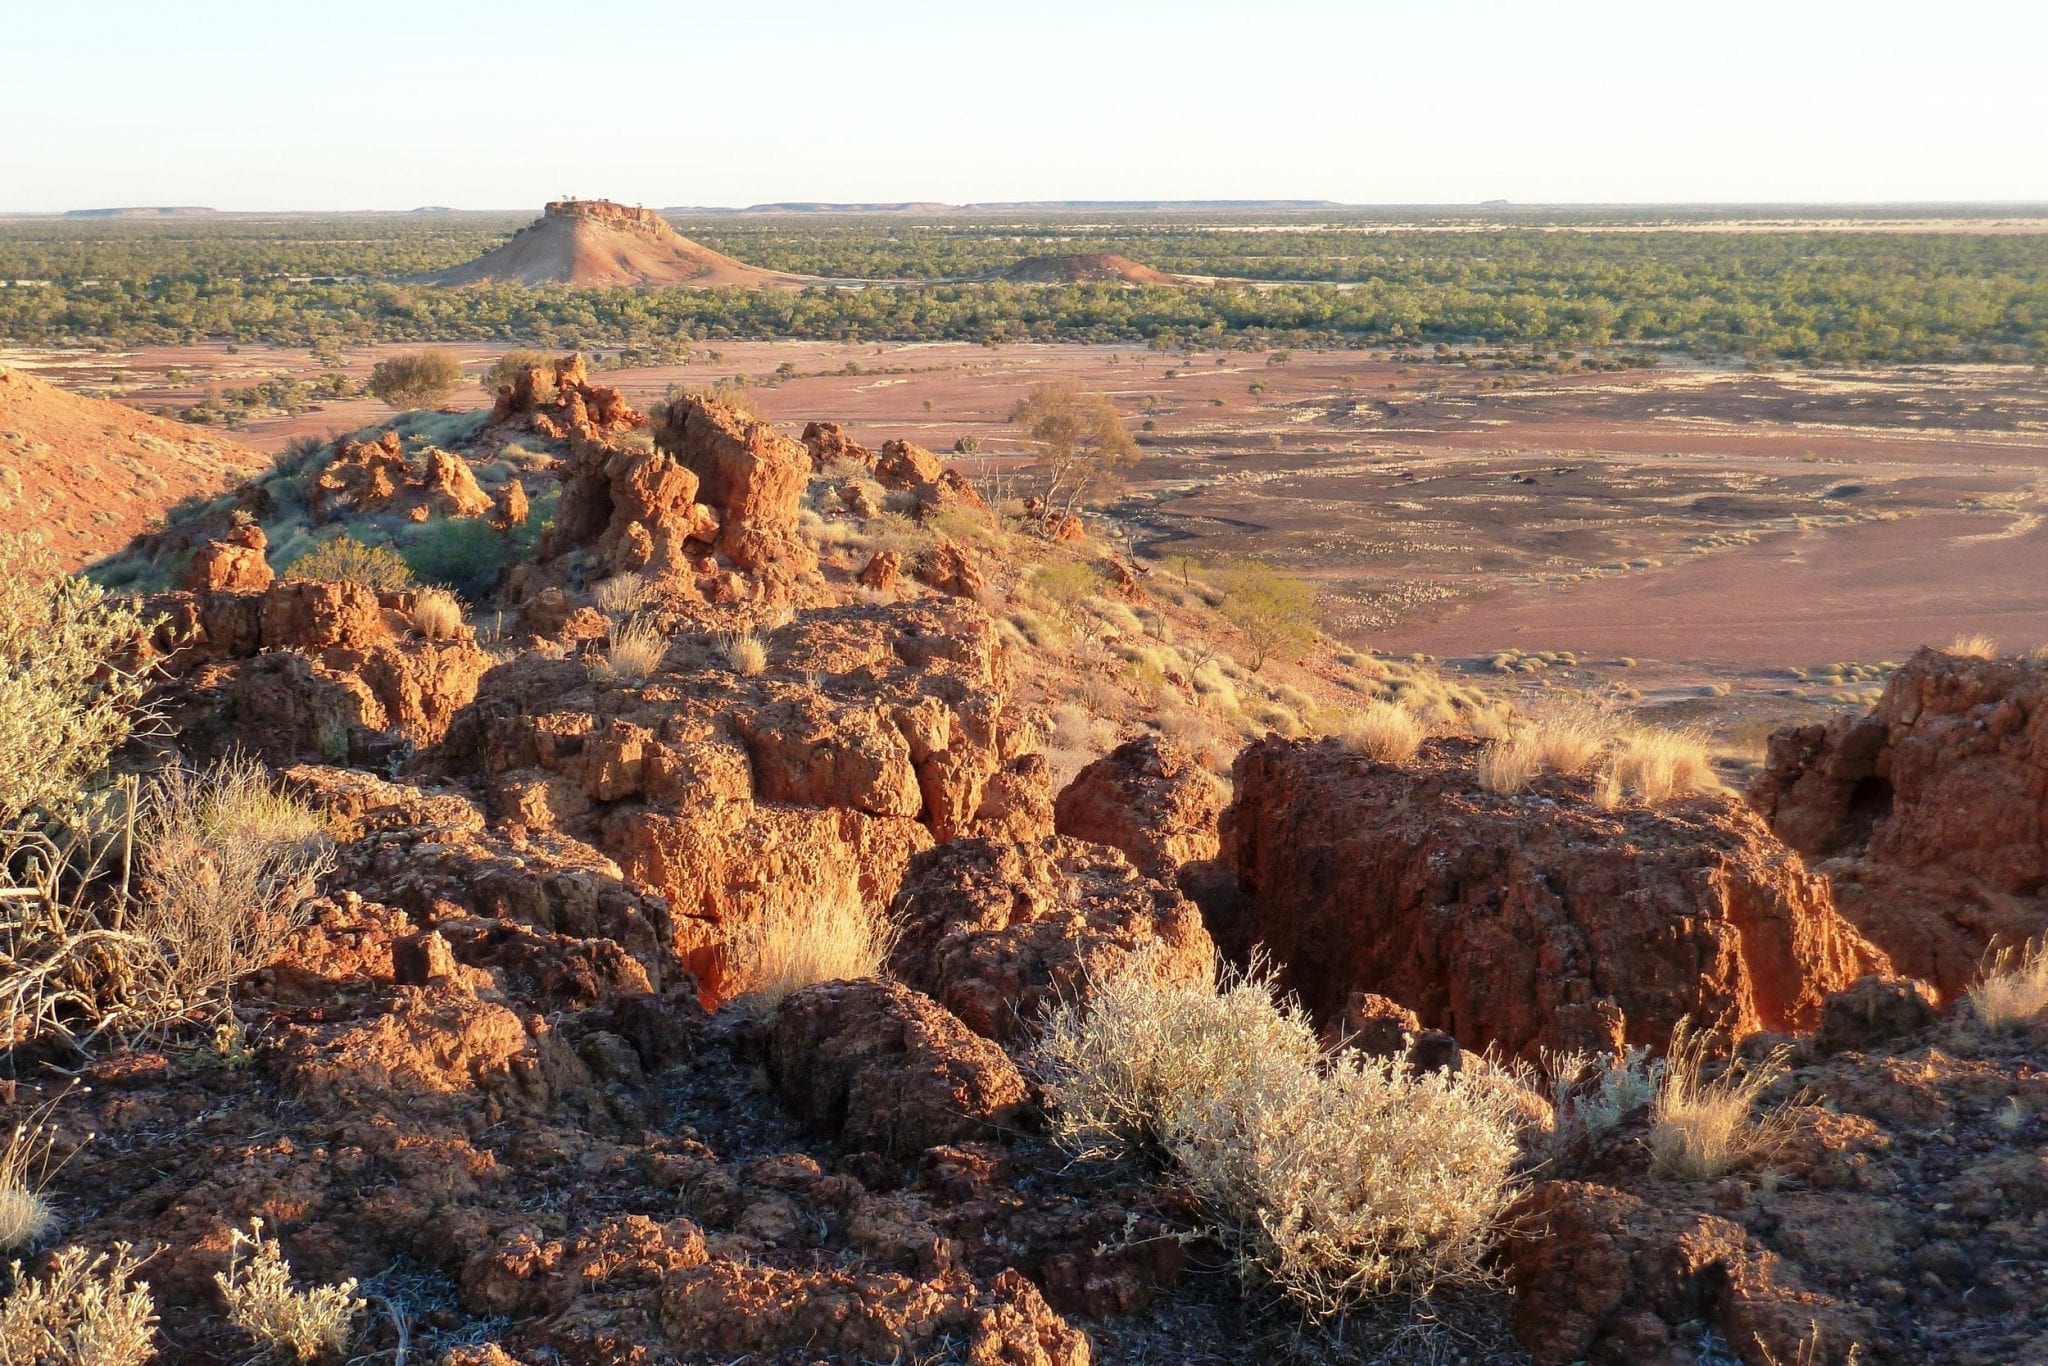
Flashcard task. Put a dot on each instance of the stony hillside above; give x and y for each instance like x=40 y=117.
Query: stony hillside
x=88 y=474
x=596 y=242
x=539 y=1067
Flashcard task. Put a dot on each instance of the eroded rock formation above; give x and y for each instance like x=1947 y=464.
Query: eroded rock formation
x=1930 y=814
x=1526 y=921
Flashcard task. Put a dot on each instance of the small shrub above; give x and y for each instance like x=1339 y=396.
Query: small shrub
x=1590 y=1093
x=2013 y=988
x=834 y=938
x=634 y=648
x=1277 y=613
x=83 y=1313
x=743 y=653
x=621 y=595
x=416 y=379
x=1977 y=646
x=310 y=1325
x=65 y=706
x=1067 y=584
x=1701 y=1129
x=1384 y=732
x=462 y=553
x=436 y=614
x=1339 y=1181
x=347 y=560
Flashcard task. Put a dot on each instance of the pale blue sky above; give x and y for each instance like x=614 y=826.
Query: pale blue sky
x=383 y=104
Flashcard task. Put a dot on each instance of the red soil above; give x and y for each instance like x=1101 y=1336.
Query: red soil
x=88 y=474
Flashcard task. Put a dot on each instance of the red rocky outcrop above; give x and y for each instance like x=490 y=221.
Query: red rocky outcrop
x=752 y=476
x=558 y=402
x=998 y=931
x=235 y=564
x=1149 y=798
x=1930 y=814
x=880 y=1067
x=1520 y=921
x=377 y=477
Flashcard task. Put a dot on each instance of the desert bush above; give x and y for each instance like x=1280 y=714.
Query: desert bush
x=2012 y=990
x=65 y=705
x=1590 y=1092
x=1277 y=613
x=462 y=553
x=226 y=863
x=1701 y=1129
x=415 y=379
x=436 y=614
x=621 y=595
x=1081 y=441
x=25 y=1215
x=347 y=560
x=1066 y=584
x=634 y=648
x=83 y=1313
x=832 y=938
x=1384 y=732
x=743 y=653
x=1337 y=1180
x=309 y=1325
x=1977 y=646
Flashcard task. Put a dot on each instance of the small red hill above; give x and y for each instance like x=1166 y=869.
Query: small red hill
x=597 y=242
x=89 y=473
x=1087 y=268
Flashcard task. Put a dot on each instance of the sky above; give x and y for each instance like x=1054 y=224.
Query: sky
x=279 y=104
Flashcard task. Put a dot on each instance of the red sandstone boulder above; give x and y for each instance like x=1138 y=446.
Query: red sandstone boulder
x=752 y=476
x=1930 y=814
x=234 y=565
x=999 y=932
x=883 y=572
x=950 y=567
x=1150 y=799
x=1520 y=921
x=828 y=442
x=881 y=1067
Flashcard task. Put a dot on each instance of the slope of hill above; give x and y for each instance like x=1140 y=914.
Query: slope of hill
x=89 y=473
x=1098 y=267
x=597 y=242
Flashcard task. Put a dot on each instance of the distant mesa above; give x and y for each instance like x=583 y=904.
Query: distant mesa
x=145 y=211
x=596 y=242
x=1095 y=268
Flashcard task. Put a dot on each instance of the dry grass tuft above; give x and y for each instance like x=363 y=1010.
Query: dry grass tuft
x=634 y=649
x=1632 y=763
x=1650 y=767
x=1338 y=1181
x=436 y=614
x=1385 y=732
x=84 y=1312
x=743 y=653
x=835 y=938
x=2012 y=990
x=1978 y=646
x=621 y=595
x=1701 y=1129
x=310 y=1325
x=26 y=1218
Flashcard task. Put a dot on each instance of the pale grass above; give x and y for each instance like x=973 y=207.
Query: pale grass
x=1975 y=646
x=83 y=1312
x=1650 y=767
x=2012 y=990
x=26 y=1217
x=307 y=1325
x=621 y=595
x=1385 y=732
x=634 y=649
x=830 y=938
x=1702 y=1129
x=743 y=653
x=1339 y=1181
x=226 y=865
x=436 y=614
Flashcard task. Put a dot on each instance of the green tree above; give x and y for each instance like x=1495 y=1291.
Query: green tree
x=416 y=379
x=1277 y=613
x=1082 y=443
